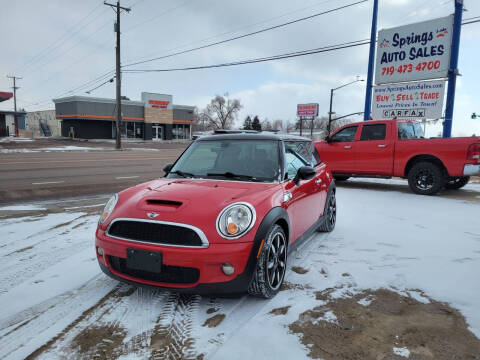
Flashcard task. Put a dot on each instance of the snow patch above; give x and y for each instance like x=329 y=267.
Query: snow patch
x=401 y=352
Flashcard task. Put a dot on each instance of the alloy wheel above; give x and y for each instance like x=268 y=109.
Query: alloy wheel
x=277 y=261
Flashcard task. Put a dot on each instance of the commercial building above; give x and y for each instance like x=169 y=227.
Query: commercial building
x=7 y=122
x=155 y=117
x=42 y=123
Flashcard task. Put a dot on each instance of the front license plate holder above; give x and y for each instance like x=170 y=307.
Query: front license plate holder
x=144 y=260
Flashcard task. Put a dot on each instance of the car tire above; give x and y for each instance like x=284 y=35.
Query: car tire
x=271 y=266
x=457 y=182
x=341 y=178
x=426 y=178
x=329 y=214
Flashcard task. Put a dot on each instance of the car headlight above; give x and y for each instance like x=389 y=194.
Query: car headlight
x=236 y=220
x=109 y=206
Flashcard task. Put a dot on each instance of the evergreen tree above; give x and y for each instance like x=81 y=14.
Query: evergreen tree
x=256 y=124
x=247 y=124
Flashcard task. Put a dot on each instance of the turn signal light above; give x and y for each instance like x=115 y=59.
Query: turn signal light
x=232 y=228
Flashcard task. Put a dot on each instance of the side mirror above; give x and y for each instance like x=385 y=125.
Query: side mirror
x=304 y=173
x=167 y=168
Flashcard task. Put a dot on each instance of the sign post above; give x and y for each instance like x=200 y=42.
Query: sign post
x=371 y=57
x=453 y=70
x=305 y=111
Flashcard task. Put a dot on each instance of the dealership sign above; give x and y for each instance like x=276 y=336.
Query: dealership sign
x=310 y=110
x=422 y=100
x=414 y=52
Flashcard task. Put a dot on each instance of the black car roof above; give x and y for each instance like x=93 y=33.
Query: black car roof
x=253 y=136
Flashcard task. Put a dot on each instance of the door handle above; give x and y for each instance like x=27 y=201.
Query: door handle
x=347 y=147
x=318 y=181
x=382 y=146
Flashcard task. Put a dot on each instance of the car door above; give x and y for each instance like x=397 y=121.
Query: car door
x=374 y=150
x=338 y=153
x=303 y=201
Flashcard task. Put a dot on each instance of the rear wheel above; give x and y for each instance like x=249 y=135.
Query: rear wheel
x=457 y=182
x=341 y=178
x=426 y=178
x=271 y=265
x=330 y=214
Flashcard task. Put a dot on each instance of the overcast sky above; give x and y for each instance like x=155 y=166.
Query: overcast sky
x=59 y=45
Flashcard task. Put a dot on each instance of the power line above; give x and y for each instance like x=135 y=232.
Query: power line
x=245 y=27
x=264 y=59
x=62 y=39
x=248 y=34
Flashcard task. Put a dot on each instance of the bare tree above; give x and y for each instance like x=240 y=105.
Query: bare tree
x=277 y=124
x=222 y=112
x=266 y=125
x=200 y=121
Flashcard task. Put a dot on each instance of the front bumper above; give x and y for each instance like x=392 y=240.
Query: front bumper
x=471 y=170
x=207 y=261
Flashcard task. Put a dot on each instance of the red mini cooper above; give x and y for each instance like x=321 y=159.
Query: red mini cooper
x=223 y=219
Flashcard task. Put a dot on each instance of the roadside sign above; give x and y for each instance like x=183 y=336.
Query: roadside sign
x=421 y=100
x=307 y=110
x=417 y=51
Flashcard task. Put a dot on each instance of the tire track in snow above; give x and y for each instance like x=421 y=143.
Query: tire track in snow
x=172 y=338
x=32 y=331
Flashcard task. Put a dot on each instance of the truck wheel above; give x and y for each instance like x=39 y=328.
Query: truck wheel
x=340 y=178
x=271 y=265
x=330 y=214
x=426 y=178
x=457 y=182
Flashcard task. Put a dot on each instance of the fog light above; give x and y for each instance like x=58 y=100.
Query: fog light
x=228 y=269
x=100 y=251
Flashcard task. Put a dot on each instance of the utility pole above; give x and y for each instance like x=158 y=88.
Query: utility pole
x=15 y=87
x=117 y=8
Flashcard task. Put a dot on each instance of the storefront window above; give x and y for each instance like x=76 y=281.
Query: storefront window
x=180 y=131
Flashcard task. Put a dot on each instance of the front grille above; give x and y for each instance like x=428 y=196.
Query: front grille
x=154 y=232
x=169 y=274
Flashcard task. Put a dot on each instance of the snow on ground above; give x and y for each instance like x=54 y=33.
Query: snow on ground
x=51 y=287
x=25 y=207
x=55 y=148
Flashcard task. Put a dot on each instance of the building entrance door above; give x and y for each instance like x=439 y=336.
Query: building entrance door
x=157 y=132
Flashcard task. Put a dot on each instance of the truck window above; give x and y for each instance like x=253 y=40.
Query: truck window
x=409 y=130
x=373 y=132
x=345 y=135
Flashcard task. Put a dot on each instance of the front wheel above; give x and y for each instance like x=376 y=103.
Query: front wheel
x=271 y=265
x=457 y=182
x=329 y=214
x=426 y=178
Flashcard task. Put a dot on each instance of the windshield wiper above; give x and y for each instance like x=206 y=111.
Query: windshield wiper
x=182 y=173
x=229 y=174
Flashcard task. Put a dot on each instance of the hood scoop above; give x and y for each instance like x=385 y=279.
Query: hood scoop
x=169 y=203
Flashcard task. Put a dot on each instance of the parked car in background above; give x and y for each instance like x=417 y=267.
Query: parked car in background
x=223 y=219
x=398 y=148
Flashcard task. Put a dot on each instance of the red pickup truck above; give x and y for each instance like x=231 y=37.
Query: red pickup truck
x=397 y=148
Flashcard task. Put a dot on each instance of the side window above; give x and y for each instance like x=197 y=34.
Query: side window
x=298 y=154
x=373 y=132
x=406 y=130
x=345 y=135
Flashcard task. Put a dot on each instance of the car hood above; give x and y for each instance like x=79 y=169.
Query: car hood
x=195 y=202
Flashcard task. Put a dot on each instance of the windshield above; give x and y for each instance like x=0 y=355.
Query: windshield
x=410 y=130
x=244 y=160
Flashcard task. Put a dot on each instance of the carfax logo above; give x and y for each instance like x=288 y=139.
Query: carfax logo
x=414 y=113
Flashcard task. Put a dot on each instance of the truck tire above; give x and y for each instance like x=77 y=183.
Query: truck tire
x=426 y=178
x=271 y=266
x=329 y=214
x=340 y=178
x=457 y=182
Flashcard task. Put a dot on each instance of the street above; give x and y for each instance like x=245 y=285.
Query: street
x=36 y=175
